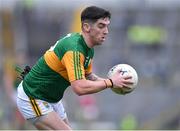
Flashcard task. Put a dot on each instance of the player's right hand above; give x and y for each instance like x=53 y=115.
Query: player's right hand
x=120 y=81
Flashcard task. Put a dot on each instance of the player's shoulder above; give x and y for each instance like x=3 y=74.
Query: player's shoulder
x=71 y=37
x=71 y=41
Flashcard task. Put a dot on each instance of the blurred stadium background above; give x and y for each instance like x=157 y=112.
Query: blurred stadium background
x=143 y=33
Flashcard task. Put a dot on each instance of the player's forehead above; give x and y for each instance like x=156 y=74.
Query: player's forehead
x=105 y=21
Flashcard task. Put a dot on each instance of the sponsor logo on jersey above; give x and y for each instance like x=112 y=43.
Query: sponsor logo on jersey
x=87 y=62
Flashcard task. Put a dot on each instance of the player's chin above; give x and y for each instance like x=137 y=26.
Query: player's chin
x=101 y=41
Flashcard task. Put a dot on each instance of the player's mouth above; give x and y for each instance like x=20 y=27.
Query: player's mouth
x=103 y=38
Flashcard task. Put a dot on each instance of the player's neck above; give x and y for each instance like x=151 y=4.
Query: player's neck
x=87 y=40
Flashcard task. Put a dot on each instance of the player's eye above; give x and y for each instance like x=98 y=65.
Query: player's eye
x=101 y=25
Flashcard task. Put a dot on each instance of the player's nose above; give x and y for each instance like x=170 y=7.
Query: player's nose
x=106 y=31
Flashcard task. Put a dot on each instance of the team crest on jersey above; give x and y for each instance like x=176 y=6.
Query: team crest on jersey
x=46 y=104
x=87 y=62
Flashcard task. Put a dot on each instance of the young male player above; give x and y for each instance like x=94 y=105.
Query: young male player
x=66 y=64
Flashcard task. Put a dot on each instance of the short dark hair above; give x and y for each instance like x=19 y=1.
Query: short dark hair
x=93 y=13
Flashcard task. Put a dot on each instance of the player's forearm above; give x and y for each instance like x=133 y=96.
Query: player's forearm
x=83 y=87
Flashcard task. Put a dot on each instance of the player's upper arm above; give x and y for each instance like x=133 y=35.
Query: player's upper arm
x=73 y=62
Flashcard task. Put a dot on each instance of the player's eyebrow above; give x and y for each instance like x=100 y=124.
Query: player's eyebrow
x=103 y=24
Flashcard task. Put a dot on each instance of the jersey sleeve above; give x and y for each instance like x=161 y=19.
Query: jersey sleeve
x=73 y=61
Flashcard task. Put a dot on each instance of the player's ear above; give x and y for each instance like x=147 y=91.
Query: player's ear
x=86 y=27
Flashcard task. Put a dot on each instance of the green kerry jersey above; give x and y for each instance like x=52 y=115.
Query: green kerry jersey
x=68 y=60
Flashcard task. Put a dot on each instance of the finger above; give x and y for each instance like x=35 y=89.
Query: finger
x=119 y=86
x=126 y=86
x=127 y=82
x=127 y=77
x=118 y=71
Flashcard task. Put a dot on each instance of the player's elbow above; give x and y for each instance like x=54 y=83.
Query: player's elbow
x=78 y=90
x=79 y=87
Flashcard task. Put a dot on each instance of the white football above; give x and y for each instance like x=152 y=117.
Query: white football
x=124 y=69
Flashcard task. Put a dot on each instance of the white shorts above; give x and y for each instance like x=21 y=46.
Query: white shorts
x=32 y=108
